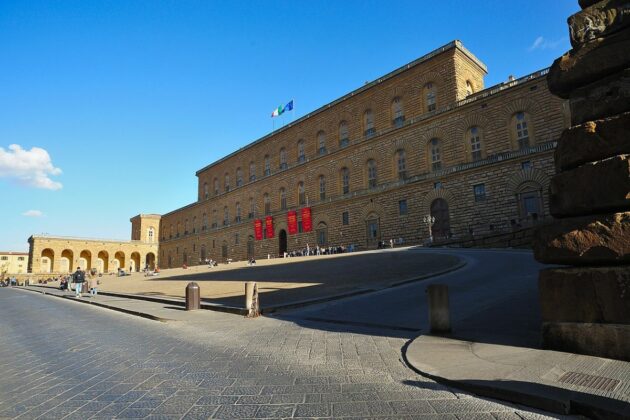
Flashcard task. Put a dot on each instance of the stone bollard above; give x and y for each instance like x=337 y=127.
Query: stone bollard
x=193 y=299
x=251 y=299
x=439 y=312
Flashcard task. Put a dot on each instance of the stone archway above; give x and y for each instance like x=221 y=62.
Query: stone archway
x=47 y=261
x=65 y=263
x=119 y=260
x=134 y=262
x=102 y=262
x=150 y=261
x=85 y=260
x=442 y=225
x=282 y=242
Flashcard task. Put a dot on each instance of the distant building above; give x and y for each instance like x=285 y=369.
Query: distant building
x=13 y=263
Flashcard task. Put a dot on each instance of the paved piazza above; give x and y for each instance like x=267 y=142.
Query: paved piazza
x=62 y=359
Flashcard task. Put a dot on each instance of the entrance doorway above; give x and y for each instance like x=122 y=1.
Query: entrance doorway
x=282 y=241
x=250 y=247
x=373 y=232
x=442 y=225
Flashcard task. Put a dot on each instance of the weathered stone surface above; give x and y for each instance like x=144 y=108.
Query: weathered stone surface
x=597 y=187
x=606 y=97
x=594 y=60
x=592 y=294
x=589 y=240
x=603 y=340
x=598 y=20
x=593 y=141
x=587 y=3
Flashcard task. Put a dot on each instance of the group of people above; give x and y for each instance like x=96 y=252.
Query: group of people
x=318 y=250
x=79 y=278
x=11 y=281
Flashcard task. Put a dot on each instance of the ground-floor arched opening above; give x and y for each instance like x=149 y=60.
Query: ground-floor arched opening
x=202 y=254
x=102 y=262
x=150 y=261
x=322 y=234
x=134 y=262
x=85 y=260
x=282 y=241
x=250 y=247
x=65 y=263
x=224 y=250
x=47 y=261
x=119 y=260
x=442 y=225
x=373 y=230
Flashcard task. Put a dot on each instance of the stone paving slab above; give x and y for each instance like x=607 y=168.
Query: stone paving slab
x=601 y=387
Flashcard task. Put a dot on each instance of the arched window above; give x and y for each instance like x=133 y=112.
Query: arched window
x=322 y=187
x=205 y=222
x=239 y=177
x=521 y=130
x=371 y=173
x=345 y=180
x=238 y=212
x=227 y=182
x=401 y=164
x=150 y=234
x=321 y=142
x=301 y=193
x=435 y=154
x=474 y=139
x=430 y=93
x=469 y=88
x=252 y=208
x=226 y=216
x=283 y=158
x=301 y=154
x=267 y=165
x=283 y=199
x=344 y=139
x=205 y=190
x=398 y=117
x=216 y=186
x=368 y=123
x=252 y=171
x=267 y=203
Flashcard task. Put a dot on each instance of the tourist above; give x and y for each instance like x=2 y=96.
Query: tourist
x=93 y=285
x=78 y=279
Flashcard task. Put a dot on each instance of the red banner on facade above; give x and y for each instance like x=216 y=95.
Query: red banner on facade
x=307 y=223
x=258 y=232
x=292 y=222
x=269 y=226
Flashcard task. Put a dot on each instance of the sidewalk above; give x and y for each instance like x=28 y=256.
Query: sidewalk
x=559 y=382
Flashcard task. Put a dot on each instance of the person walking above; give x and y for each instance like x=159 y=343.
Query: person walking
x=78 y=279
x=93 y=285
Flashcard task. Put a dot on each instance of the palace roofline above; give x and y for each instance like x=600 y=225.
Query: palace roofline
x=78 y=238
x=457 y=44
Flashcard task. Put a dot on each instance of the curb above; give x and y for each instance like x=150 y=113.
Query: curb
x=562 y=401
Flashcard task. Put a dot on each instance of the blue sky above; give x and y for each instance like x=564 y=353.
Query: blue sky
x=114 y=105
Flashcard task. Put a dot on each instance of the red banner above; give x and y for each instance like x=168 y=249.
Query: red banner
x=307 y=223
x=292 y=222
x=258 y=233
x=269 y=226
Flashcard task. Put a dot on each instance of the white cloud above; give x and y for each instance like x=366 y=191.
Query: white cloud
x=541 y=43
x=33 y=213
x=31 y=168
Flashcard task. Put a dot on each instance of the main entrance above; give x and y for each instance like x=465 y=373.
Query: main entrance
x=373 y=232
x=442 y=225
x=282 y=242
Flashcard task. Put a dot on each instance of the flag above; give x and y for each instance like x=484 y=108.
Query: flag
x=282 y=109
x=288 y=107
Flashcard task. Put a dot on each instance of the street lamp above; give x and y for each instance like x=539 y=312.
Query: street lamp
x=429 y=220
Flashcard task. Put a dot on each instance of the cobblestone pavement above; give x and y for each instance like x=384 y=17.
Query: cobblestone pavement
x=61 y=359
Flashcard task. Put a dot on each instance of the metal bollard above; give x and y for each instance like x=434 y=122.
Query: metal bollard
x=251 y=299
x=439 y=312
x=193 y=299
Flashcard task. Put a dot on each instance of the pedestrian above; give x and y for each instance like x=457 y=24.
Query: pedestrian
x=93 y=285
x=78 y=279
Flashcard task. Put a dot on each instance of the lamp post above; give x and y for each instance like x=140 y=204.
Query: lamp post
x=429 y=220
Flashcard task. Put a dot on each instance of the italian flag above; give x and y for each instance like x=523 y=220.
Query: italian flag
x=276 y=112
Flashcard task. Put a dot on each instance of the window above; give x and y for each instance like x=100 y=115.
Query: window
x=368 y=123
x=267 y=203
x=398 y=118
x=321 y=143
x=283 y=158
x=436 y=156
x=267 y=165
x=401 y=164
x=226 y=216
x=345 y=218
x=343 y=134
x=215 y=220
x=345 y=181
x=437 y=185
x=149 y=235
x=227 y=182
x=205 y=222
x=4 y=258
x=322 y=187
x=252 y=171
x=283 y=199
x=22 y=258
x=301 y=155
x=402 y=207
x=371 y=170
x=480 y=192
x=430 y=93
x=526 y=165
x=522 y=130
x=469 y=88
x=252 y=208
x=301 y=193
x=474 y=136
x=205 y=190
x=216 y=186
x=186 y=227
x=171 y=233
x=239 y=177
x=238 y=213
